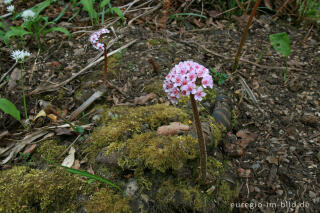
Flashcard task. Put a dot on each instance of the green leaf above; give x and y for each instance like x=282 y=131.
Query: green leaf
x=8 y=107
x=281 y=43
x=104 y=3
x=117 y=11
x=59 y=29
x=88 y=6
x=15 y=31
x=61 y=13
x=2 y=26
x=79 y=129
x=187 y=14
x=40 y=7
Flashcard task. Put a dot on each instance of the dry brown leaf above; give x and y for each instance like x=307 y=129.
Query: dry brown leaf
x=244 y=173
x=63 y=131
x=30 y=148
x=14 y=78
x=173 y=129
x=246 y=137
x=76 y=165
x=90 y=170
x=143 y=99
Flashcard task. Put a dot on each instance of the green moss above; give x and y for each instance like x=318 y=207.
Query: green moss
x=217 y=130
x=49 y=150
x=121 y=123
x=32 y=190
x=156 y=87
x=226 y=194
x=156 y=152
x=114 y=62
x=154 y=42
x=180 y=197
x=234 y=118
x=106 y=200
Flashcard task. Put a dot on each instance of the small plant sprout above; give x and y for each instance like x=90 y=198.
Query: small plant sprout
x=189 y=78
x=10 y=8
x=19 y=56
x=281 y=44
x=96 y=41
x=6 y=2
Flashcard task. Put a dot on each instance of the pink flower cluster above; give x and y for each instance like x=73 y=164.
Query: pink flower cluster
x=183 y=80
x=94 y=39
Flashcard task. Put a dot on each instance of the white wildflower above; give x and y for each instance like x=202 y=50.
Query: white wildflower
x=10 y=8
x=28 y=15
x=7 y=2
x=19 y=55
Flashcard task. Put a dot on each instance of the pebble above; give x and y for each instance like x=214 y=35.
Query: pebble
x=255 y=166
x=292 y=148
x=279 y=192
x=131 y=187
x=256 y=189
x=312 y=195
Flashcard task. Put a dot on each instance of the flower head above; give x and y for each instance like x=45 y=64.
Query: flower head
x=28 y=15
x=187 y=78
x=94 y=39
x=7 y=2
x=10 y=8
x=19 y=55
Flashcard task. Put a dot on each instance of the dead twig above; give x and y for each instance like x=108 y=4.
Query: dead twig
x=46 y=88
x=146 y=13
x=249 y=62
x=64 y=152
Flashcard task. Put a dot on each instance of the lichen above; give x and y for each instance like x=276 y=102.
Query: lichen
x=106 y=200
x=31 y=190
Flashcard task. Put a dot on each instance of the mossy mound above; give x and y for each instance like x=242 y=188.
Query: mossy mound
x=107 y=200
x=49 y=150
x=156 y=152
x=121 y=123
x=31 y=190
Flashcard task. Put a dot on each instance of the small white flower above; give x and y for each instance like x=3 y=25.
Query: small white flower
x=19 y=55
x=94 y=39
x=7 y=2
x=10 y=8
x=28 y=15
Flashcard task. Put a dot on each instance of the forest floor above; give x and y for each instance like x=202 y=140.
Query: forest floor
x=278 y=171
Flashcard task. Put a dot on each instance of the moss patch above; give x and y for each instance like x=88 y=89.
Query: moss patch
x=106 y=200
x=49 y=150
x=155 y=152
x=121 y=123
x=32 y=190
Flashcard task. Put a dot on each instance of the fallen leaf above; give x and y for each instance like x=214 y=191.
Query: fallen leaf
x=14 y=78
x=53 y=118
x=90 y=170
x=76 y=164
x=272 y=160
x=173 y=129
x=84 y=160
x=246 y=137
x=29 y=149
x=63 y=131
x=143 y=99
x=244 y=173
x=69 y=160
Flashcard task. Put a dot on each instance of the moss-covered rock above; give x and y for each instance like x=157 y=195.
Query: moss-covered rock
x=121 y=123
x=106 y=200
x=156 y=152
x=49 y=150
x=31 y=190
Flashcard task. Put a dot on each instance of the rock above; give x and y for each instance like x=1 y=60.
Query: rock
x=131 y=187
x=312 y=195
x=255 y=166
x=110 y=160
x=279 y=192
x=79 y=51
x=309 y=119
x=256 y=189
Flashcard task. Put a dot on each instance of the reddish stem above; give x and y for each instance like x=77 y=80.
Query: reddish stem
x=105 y=65
x=237 y=58
x=202 y=145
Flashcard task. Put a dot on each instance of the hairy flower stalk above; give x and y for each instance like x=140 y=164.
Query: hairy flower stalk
x=96 y=41
x=189 y=78
x=19 y=56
